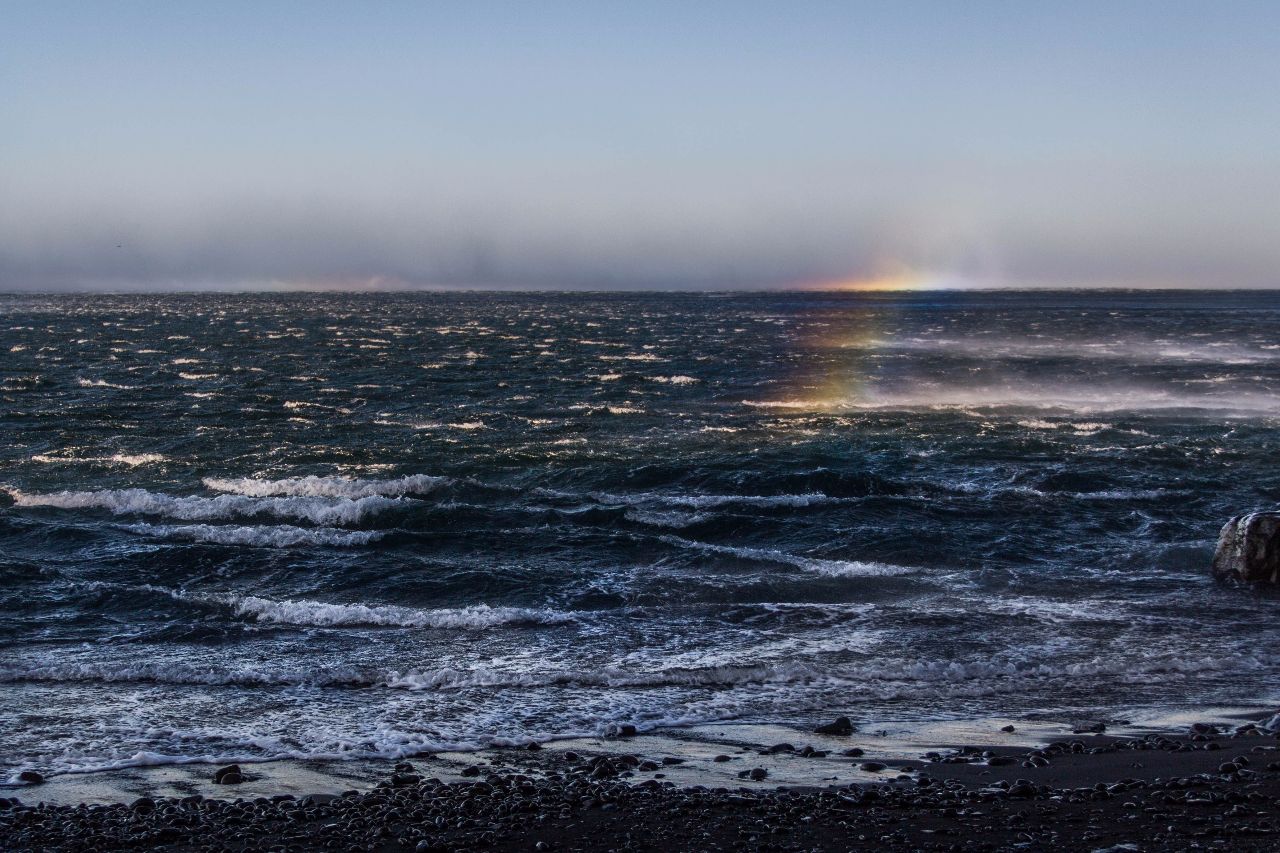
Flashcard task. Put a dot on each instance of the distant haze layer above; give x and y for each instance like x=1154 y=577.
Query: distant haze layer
x=659 y=145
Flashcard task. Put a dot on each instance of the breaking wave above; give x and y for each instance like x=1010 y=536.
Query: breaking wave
x=324 y=511
x=262 y=536
x=327 y=487
x=886 y=679
x=833 y=568
x=321 y=614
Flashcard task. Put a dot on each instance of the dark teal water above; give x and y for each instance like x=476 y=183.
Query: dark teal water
x=337 y=525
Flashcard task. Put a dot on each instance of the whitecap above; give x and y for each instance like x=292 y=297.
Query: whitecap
x=834 y=568
x=261 y=536
x=329 y=487
x=321 y=614
x=324 y=511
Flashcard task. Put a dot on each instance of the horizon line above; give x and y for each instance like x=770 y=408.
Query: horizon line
x=830 y=291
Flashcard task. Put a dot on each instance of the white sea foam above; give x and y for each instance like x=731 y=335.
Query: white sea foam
x=262 y=536
x=834 y=568
x=327 y=487
x=325 y=511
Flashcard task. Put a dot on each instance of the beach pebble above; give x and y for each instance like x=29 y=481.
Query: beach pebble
x=871 y=766
x=1088 y=728
x=228 y=775
x=30 y=777
x=841 y=726
x=719 y=759
x=758 y=773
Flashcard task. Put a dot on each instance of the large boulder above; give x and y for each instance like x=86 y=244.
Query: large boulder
x=1249 y=549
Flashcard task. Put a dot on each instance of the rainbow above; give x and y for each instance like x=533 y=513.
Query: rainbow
x=842 y=370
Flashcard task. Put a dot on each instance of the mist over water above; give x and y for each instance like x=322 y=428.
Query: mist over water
x=240 y=526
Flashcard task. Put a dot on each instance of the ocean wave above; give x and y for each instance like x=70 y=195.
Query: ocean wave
x=327 y=487
x=323 y=511
x=888 y=678
x=131 y=459
x=833 y=568
x=262 y=536
x=670 y=518
x=694 y=501
x=102 y=383
x=321 y=614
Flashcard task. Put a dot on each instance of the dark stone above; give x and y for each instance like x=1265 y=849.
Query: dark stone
x=30 y=777
x=143 y=804
x=854 y=752
x=623 y=730
x=1000 y=761
x=220 y=775
x=841 y=726
x=534 y=747
x=1008 y=729
x=721 y=758
x=758 y=773
x=778 y=748
x=871 y=766
x=1249 y=549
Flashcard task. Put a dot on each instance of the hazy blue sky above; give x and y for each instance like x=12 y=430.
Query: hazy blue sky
x=599 y=144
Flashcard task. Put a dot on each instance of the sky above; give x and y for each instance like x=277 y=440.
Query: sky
x=638 y=145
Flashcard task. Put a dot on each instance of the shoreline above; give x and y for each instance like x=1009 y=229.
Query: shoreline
x=929 y=786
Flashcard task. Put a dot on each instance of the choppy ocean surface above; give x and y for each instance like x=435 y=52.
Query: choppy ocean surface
x=238 y=527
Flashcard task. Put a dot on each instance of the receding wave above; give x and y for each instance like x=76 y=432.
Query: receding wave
x=327 y=487
x=262 y=536
x=834 y=568
x=325 y=511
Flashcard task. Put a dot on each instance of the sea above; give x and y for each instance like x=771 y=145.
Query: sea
x=348 y=526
